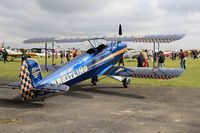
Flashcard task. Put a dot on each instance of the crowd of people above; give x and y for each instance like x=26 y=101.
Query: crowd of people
x=143 y=59
x=68 y=55
x=24 y=54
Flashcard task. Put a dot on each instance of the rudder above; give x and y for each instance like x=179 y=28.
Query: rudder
x=30 y=76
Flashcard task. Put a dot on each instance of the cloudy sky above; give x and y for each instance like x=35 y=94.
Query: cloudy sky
x=23 y=19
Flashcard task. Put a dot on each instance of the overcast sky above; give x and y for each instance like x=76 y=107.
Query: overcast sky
x=23 y=19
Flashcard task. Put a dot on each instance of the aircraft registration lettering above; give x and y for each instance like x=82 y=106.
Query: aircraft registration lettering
x=71 y=75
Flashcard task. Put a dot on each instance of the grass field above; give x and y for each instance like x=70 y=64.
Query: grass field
x=190 y=78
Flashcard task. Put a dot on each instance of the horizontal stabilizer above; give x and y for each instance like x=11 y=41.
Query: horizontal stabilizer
x=142 y=72
x=48 y=88
x=167 y=38
x=15 y=85
x=56 y=88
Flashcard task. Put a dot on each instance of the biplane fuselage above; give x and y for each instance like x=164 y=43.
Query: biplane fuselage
x=92 y=63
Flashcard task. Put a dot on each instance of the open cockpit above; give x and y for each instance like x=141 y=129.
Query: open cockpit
x=97 y=49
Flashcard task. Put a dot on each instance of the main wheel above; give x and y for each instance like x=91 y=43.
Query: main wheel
x=94 y=80
x=126 y=82
x=95 y=83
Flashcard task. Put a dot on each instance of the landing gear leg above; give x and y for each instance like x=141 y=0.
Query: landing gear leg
x=95 y=80
x=126 y=82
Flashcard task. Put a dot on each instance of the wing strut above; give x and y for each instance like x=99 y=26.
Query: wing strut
x=91 y=44
x=46 y=57
x=154 y=54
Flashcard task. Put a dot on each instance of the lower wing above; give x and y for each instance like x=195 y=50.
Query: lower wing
x=144 y=72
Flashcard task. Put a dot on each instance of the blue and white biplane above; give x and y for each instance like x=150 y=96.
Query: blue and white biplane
x=94 y=62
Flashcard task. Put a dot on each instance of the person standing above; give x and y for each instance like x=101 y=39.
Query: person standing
x=62 y=56
x=68 y=56
x=5 y=56
x=182 y=56
x=140 y=60
x=121 y=61
x=75 y=53
x=161 y=60
x=145 y=64
x=146 y=58
x=23 y=56
x=173 y=55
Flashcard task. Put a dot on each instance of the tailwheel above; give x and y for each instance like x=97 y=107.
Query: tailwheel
x=126 y=82
x=42 y=96
x=94 y=80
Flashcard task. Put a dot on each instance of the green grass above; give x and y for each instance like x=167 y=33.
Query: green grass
x=190 y=78
x=9 y=70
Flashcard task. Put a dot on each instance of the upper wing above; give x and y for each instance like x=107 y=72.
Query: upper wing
x=147 y=38
x=142 y=72
x=136 y=38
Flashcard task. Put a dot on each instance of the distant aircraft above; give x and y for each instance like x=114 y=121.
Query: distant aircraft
x=12 y=53
x=18 y=54
x=94 y=62
x=167 y=53
x=131 y=53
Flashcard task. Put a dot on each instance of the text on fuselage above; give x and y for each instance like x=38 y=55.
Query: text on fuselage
x=71 y=75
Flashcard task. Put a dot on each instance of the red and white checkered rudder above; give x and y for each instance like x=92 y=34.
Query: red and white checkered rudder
x=30 y=76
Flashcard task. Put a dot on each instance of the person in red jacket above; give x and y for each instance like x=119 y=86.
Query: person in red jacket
x=182 y=56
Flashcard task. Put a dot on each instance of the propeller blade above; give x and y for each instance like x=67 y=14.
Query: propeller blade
x=120 y=29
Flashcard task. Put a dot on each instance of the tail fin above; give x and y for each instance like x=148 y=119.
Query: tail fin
x=30 y=76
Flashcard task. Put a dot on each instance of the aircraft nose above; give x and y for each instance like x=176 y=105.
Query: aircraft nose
x=122 y=45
